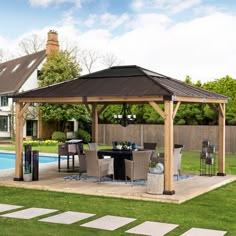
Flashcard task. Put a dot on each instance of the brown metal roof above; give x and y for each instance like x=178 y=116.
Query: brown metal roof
x=120 y=81
x=14 y=73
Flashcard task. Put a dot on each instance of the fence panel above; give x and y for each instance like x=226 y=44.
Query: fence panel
x=190 y=136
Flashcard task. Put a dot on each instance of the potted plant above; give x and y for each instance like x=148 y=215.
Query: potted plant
x=156 y=167
x=27 y=174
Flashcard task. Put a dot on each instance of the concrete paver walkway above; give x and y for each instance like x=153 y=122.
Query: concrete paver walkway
x=107 y=222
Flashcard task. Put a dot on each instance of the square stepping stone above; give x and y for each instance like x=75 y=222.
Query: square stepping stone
x=203 y=232
x=108 y=222
x=7 y=207
x=29 y=213
x=152 y=228
x=68 y=217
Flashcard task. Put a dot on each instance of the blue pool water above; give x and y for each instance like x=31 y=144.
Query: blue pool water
x=7 y=160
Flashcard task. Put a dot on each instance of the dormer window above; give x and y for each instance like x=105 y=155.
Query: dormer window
x=4 y=101
x=31 y=63
x=15 y=68
x=2 y=70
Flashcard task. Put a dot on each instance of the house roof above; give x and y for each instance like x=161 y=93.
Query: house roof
x=121 y=81
x=15 y=72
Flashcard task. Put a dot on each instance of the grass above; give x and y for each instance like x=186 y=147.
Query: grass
x=213 y=210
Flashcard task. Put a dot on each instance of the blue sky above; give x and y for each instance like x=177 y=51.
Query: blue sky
x=173 y=37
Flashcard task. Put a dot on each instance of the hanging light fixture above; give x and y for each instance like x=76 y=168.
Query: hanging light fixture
x=125 y=117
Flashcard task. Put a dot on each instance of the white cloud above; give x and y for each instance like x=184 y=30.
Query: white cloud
x=46 y=3
x=203 y=48
x=137 y=5
x=172 y=6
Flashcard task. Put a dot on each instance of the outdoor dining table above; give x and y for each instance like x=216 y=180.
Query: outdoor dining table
x=119 y=160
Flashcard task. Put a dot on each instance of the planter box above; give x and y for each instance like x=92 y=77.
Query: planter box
x=28 y=177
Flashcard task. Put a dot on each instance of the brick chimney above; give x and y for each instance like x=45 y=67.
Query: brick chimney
x=52 y=42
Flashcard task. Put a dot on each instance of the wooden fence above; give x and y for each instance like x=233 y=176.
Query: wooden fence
x=190 y=136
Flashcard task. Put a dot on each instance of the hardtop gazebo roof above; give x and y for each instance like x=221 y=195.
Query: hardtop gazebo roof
x=123 y=81
x=131 y=84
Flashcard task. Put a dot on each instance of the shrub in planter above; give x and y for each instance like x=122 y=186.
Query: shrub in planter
x=84 y=135
x=59 y=136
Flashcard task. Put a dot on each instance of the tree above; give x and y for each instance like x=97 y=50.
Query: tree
x=60 y=67
x=32 y=44
x=110 y=60
x=88 y=59
x=227 y=87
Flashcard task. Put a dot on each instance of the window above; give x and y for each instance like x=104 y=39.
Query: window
x=3 y=123
x=31 y=128
x=2 y=70
x=4 y=101
x=31 y=63
x=15 y=68
x=70 y=126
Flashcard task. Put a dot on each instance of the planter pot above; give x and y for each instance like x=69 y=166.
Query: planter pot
x=155 y=183
x=28 y=177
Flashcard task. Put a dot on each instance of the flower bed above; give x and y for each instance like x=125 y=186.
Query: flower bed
x=41 y=143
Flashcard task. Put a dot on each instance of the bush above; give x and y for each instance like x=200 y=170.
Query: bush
x=59 y=136
x=84 y=135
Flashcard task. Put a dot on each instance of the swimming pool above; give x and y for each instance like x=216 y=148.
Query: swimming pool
x=7 y=160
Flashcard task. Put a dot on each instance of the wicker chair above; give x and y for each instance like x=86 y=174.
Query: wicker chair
x=177 y=161
x=98 y=167
x=93 y=146
x=137 y=169
x=153 y=147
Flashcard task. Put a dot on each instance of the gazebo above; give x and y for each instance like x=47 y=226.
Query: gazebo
x=130 y=84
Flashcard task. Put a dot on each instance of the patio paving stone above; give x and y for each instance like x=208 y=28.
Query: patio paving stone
x=68 y=217
x=7 y=207
x=109 y=222
x=203 y=232
x=29 y=213
x=152 y=228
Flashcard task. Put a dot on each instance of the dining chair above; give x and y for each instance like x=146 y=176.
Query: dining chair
x=153 y=147
x=137 y=169
x=177 y=156
x=98 y=167
x=93 y=146
x=63 y=150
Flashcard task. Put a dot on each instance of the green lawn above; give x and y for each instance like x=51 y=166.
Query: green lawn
x=213 y=210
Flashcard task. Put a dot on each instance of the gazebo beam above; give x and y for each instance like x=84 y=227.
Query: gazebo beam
x=74 y=100
x=199 y=100
x=221 y=141
x=19 y=137
x=168 y=147
x=102 y=109
x=176 y=109
x=158 y=109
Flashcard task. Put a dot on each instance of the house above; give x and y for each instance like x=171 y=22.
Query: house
x=18 y=75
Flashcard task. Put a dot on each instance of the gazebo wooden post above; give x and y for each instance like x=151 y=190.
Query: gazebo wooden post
x=40 y=124
x=221 y=140
x=19 y=142
x=94 y=123
x=168 y=147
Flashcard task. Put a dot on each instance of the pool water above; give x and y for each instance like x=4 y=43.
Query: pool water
x=7 y=160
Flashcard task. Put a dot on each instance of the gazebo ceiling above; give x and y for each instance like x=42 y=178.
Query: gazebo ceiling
x=131 y=83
